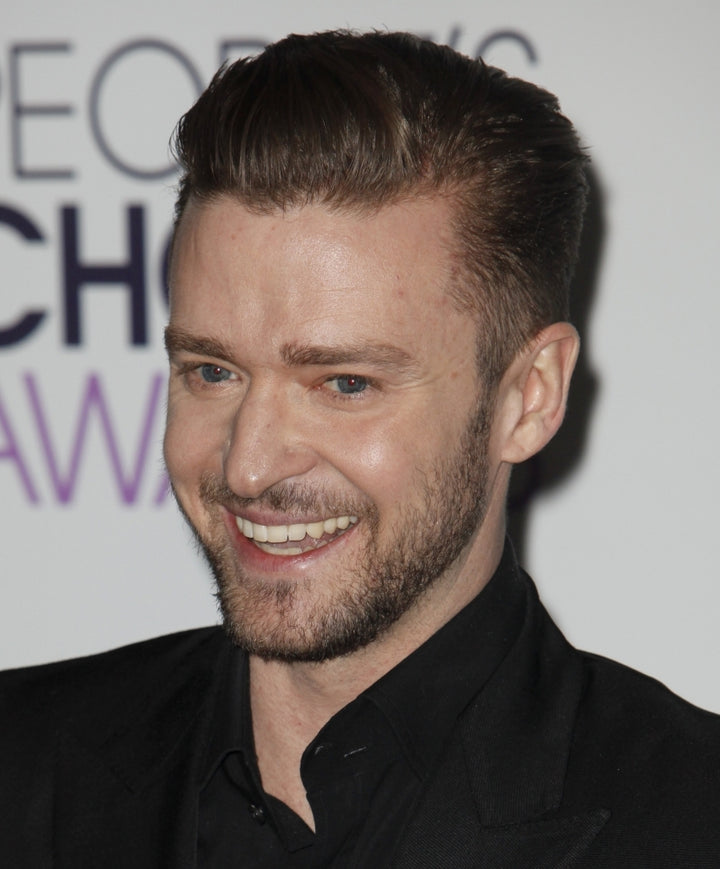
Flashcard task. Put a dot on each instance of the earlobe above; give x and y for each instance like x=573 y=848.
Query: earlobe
x=535 y=389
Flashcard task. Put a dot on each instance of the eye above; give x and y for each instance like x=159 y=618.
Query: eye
x=348 y=384
x=213 y=373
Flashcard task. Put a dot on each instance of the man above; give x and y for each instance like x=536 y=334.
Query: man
x=374 y=242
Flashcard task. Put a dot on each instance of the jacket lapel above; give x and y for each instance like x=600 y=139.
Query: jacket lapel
x=495 y=799
x=445 y=835
x=126 y=793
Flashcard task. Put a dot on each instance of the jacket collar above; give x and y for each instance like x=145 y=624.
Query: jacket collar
x=147 y=712
x=509 y=766
x=517 y=734
x=128 y=763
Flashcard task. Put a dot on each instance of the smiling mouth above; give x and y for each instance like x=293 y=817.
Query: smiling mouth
x=297 y=538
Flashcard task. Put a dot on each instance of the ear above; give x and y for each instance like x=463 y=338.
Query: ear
x=533 y=392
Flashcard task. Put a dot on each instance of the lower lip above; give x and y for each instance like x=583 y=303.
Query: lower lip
x=254 y=557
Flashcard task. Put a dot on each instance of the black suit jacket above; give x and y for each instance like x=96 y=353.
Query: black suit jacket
x=562 y=760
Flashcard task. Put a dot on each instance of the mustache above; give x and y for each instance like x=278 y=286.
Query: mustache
x=285 y=497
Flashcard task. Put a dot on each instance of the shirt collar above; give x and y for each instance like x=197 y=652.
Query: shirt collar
x=231 y=723
x=421 y=698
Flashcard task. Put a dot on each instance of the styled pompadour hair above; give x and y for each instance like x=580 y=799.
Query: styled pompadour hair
x=359 y=121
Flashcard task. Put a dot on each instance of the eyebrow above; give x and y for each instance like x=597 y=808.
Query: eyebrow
x=179 y=341
x=298 y=355
x=363 y=352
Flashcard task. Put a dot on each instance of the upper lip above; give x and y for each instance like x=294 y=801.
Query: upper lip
x=259 y=517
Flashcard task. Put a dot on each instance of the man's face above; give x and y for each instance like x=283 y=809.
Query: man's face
x=327 y=432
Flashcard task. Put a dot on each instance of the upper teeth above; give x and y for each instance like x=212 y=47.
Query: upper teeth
x=283 y=533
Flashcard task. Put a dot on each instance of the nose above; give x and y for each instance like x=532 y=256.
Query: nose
x=266 y=443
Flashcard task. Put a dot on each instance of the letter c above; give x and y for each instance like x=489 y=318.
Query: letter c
x=30 y=320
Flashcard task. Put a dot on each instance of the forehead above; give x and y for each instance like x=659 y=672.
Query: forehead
x=315 y=273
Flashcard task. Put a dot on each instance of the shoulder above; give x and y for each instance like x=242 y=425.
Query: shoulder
x=622 y=707
x=623 y=718
x=652 y=759
x=124 y=658
x=72 y=732
x=45 y=695
x=642 y=725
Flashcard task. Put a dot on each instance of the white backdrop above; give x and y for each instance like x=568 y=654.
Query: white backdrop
x=93 y=553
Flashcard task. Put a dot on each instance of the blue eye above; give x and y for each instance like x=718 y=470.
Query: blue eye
x=349 y=384
x=214 y=373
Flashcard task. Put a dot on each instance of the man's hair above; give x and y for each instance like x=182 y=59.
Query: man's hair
x=358 y=121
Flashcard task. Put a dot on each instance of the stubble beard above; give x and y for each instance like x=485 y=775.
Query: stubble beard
x=294 y=621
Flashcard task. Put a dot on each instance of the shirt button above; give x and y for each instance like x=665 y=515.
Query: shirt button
x=257 y=813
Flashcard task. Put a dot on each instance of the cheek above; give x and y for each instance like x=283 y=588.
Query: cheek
x=381 y=461
x=193 y=445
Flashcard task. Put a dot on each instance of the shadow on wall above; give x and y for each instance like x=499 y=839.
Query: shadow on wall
x=557 y=461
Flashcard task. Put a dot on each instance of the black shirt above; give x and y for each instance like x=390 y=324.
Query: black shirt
x=365 y=768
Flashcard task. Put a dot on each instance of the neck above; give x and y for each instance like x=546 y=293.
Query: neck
x=291 y=702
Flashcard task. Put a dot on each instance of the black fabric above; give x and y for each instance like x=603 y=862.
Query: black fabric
x=560 y=760
x=365 y=769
